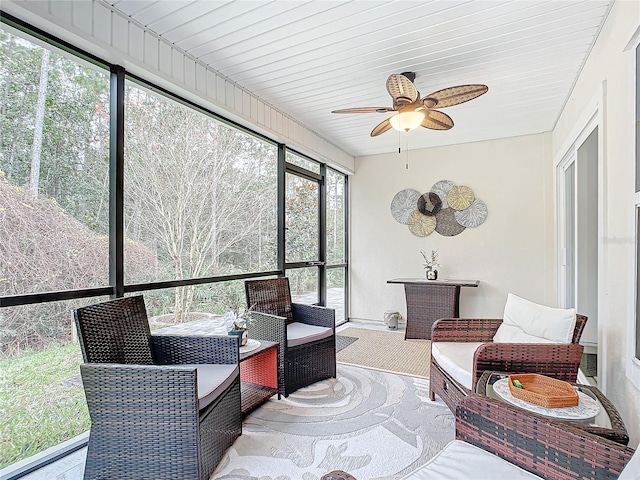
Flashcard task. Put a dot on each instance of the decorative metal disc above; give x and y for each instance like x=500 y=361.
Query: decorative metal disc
x=421 y=225
x=473 y=216
x=403 y=204
x=442 y=189
x=429 y=203
x=460 y=197
x=447 y=225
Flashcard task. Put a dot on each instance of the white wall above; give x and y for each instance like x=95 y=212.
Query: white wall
x=512 y=251
x=607 y=83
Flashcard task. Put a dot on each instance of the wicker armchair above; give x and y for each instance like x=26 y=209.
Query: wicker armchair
x=559 y=361
x=161 y=407
x=306 y=333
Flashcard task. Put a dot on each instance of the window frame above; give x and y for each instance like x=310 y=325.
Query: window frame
x=633 y=324
x=117 y=286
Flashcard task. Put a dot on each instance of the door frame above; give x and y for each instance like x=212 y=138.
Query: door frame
x=592 y=118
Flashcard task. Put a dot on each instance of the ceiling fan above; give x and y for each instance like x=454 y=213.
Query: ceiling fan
x=413 y=111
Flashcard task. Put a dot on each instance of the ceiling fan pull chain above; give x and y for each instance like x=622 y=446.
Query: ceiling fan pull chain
x=406 y=164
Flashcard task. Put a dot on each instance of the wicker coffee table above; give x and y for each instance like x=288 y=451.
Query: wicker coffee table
x=607 y=423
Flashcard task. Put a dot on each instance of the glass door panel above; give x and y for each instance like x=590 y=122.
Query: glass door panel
x=302 y=219
x=336 y=196
x=304 y=285
x=336 y=287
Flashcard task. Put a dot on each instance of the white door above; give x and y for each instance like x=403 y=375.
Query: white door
x=579 y=208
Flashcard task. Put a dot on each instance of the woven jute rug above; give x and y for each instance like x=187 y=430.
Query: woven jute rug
x=387 y=351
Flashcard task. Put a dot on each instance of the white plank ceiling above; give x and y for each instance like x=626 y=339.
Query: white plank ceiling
x=307 y=58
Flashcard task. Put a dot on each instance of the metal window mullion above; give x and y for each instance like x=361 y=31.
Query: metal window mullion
x=346 y=247
x=281 y=208
x=116 y=180
x=322 y=236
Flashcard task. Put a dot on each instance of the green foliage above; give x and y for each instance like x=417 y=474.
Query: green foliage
x=74 y=157
x=41 y=401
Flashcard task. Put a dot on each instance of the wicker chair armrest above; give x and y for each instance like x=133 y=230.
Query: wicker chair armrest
x=464 y=329
x=264 y=326
x=314 y=315
x=146 y=389
x=550 y=449
x=211 y=349
x=557 y=360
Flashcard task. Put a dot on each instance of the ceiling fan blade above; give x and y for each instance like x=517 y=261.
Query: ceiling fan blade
x=454 y=95
x=436 y=120
x=364 y=110
x=381 y=128
x=400 y=86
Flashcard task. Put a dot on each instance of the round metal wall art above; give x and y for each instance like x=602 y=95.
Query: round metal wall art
x=447 y=225
x=421 y=225
x=403 y=204
x=442 y=189
x=460 y=197
x=429 y=204
x=447 y=208
x=472 y=216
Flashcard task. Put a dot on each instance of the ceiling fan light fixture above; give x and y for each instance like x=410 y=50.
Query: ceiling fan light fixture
x=405 y=121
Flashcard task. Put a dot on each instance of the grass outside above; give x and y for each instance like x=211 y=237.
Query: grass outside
x=39 y=407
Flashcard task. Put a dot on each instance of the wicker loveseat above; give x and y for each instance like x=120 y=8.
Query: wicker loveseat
x=495 y=440
x=472 y=341
x=161 y=407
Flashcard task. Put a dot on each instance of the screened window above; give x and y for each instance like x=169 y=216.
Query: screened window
x=303 y=162
x=54 y=170
x=54 y=213
x=200 y=197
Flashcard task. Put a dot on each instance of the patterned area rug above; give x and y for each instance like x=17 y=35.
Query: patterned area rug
x=387 y=351
x=374 y=425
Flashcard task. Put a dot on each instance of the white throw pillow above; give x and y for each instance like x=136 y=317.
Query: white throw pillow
x=528 y=322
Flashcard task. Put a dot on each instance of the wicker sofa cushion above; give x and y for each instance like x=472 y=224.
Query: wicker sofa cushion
x=461 y=460
x=456 y=358
x=528 y=322
x=299 y=333
x=212 y=380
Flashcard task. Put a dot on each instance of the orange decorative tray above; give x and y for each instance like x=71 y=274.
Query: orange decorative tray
x=545 y=391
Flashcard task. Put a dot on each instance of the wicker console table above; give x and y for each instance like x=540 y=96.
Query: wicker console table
x=429 y=300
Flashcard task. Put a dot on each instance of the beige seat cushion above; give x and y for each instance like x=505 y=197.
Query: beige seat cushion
x=299 y=333
x=212 y=380
x=528 y=322
x=461 y=460
x=456 y=358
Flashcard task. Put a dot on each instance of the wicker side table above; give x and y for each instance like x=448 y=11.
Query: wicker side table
x=259 y=375
x=607 y=424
